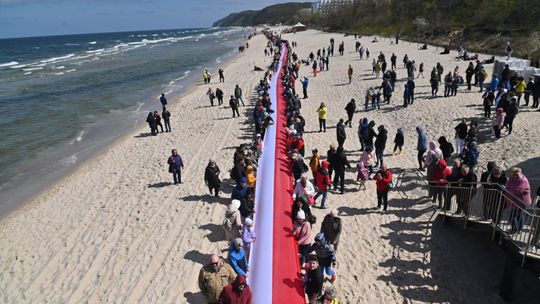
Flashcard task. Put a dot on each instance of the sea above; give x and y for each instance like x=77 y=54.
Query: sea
x=64 y=98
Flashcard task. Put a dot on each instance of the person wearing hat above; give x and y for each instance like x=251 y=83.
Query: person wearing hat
x=248 y=235
x=213 y=277
x=331 y=228
x=302 y=234
x=237 y=257
x=232 y=223
x=239 y=191
x=519 y=188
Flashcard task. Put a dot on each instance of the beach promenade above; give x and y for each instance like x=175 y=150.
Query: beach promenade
x=116 y=230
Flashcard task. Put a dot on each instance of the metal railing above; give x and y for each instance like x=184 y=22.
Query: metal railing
x=515 y=220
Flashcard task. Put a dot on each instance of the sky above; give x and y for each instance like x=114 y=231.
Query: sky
x=28 y=18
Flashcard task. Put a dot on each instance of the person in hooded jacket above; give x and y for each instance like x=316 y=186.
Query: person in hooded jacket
x=399 y=141
x=421 y=146
x=498 y=122
x=331 y=158
x=380 y=144
x=323 y=181
x=433 y=155
x=511 y=113
x=331 y=228
x=519 y=188
x=211 y=177
x=237 y=257
x=461 y=135
x=440 y=176
x=232 y=223
x=326 y=255
x=471 y=154
x=238 y=292
x=446 y=148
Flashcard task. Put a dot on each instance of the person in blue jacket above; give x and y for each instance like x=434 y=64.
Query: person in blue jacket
x=237 y=257
x=494 y=86
x=422 y=145
x=326 y=255
x=305 y=84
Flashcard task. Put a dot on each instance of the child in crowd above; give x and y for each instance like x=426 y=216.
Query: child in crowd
x=399 y=141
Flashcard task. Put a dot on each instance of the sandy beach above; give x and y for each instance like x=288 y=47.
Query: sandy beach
x=116 y=230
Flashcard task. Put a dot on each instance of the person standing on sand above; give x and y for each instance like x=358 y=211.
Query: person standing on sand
x=314 y=67
x=151 y=120
x=302 y=234
x=237 y=257
x=213 y=277
x=166 y=119
x=331 y=228
x=340 y=161
x=157 y=119
x=238 y=292
x=323 y=112
x=383 y=179
x=461 y=134
x=399 y=141
x=434 y=80
x=421 y=146
x=322 y=182
x=221 y=77
x=393 y=59
x=234 y=106
x=350 y=108
x=305 y=84
x=341 y=134
x=238 y=95
x=211 y=177
x=313 y=279
x=219 y=95
x=380 y=144
x=349 y=73
x=211 y=96
x=175 y=166
x=518 y=185
x=163 y=101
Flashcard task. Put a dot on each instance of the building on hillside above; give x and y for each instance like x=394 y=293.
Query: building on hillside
x=328 y=6
x=315 y=7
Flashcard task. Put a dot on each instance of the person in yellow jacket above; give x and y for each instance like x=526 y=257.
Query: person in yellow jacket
x=520 y=88
x=314 y=164
x=323 y=111
x=250 y=176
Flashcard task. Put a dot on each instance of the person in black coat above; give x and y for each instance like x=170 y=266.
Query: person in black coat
x=511 y=113
x=298 y=166
x=380 y=144
x=368 y=134
x=211 y=177
x=399 y=141
x=340 y=133
x=331 y=158
x=340 y=161
x=466 y=182
x=446 y=147
x=300 y=204
x=350 y=108
x=314 y=279
x=152 y=123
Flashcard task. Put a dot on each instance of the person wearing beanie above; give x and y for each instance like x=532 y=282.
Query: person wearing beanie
x=330 y=296
x=237 y=257
x=248 y=235
x=238 y=292
x=232 y=223
x=302 y=234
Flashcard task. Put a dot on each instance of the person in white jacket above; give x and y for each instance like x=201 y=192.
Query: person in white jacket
x=303 y=188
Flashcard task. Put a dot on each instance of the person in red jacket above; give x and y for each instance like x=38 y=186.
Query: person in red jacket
x=441 y=172
x=322 y=181
x=383 y=179
x=238 y=292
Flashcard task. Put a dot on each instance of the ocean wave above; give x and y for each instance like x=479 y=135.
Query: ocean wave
x=72 y=70
x=27 y=73
x=71 y=44
x=54 y=59
x=94 y=51
x=18 y=66
x=69 y=160
x=59 y=67
x=7 y=64
x=78 y=138
x=32 y=69
x=92 y=42
x=58 y=74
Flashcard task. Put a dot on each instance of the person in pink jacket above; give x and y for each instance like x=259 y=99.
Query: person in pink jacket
x=498 y=122
x=368 y=159
x=302 y=234
x=519 y=197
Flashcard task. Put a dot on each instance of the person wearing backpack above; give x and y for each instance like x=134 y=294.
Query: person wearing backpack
x=232 y=223
x=383 y=181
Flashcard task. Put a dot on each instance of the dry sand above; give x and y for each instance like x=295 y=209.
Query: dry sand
x=116 y=231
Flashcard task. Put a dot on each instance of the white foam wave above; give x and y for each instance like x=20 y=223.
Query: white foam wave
x=18 y=66
x=58 y=74
x=59 y=67
x=139 y=106
x=72 y=70
x=71 y=44
x=95 y=51
x=7 y=64
x=55 y=59
x=92 y=42
x=27 y=73
x=33 y=69
x=70 y=160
